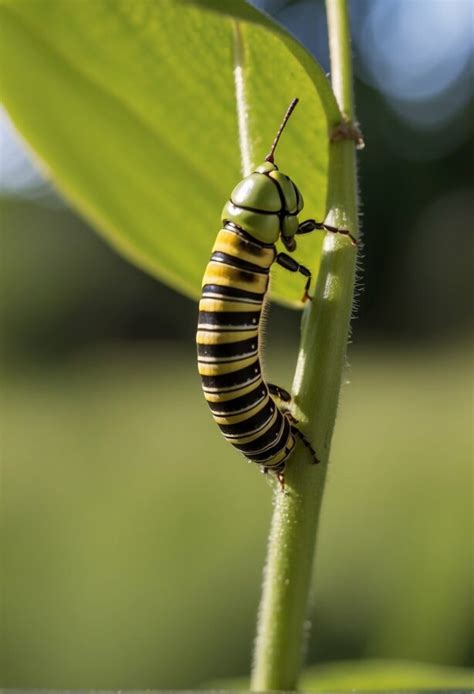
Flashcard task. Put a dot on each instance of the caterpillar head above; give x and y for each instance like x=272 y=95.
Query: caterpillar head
x=266 y=203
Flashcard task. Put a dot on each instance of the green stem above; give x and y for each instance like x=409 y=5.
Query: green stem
x=287 y=581
x=340 y=53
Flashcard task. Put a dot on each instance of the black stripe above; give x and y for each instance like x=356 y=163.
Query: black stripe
x=280 y=193
x=228 y=360
x=248 y=426
x=228 y=349
x=229 y=319
x=256 y=210
x=233 y=261
x=297 y=193
x=234 y=379
x=216 y=329
x=275 y=449
x=241 y=403
x=231 y=226
x=285 y=212
x=267 y=438
x=231 y=292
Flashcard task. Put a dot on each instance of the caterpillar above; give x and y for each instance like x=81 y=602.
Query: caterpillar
x=252 y=414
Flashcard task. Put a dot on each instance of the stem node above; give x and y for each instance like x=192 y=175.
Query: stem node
x=346 y=130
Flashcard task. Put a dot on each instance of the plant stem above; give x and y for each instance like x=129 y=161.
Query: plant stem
x=340 y=53
x=325 y=325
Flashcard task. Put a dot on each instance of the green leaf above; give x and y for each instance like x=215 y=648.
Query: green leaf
x=385 y=674
x=130 y=106
x=372 y=675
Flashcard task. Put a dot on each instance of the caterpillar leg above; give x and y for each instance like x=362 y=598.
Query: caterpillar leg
x=285 y=397
x=278 y=392
x=290 y=264
x=296 y=432
x=312 y=225
x=281 y=480
x=290 y=417
x=279 y=474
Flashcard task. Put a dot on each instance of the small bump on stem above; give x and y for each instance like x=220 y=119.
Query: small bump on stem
x=347 y=131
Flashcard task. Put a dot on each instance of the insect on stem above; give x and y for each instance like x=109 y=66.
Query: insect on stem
x=290 y=110
x=253 y=415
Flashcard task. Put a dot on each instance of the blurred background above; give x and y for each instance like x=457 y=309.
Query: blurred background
x=129 y=563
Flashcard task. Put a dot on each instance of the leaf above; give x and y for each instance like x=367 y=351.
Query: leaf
x=372 y=675
x=385 y=675
x=130 y=107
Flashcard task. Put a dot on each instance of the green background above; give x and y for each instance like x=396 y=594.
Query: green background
x=133 y=537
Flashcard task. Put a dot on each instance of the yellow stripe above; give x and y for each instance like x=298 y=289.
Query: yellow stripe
x=289 y=443
x=236 y=418
x=219 y=368
x=204 y=337
x=282 y=443
x=231 y=243
x=217 y=273
x=275 y=460
x=225 y=360
x=252 y=437
x=225 y=305
x=223 y=397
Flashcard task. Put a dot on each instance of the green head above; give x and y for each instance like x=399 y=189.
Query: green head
x=266 y=203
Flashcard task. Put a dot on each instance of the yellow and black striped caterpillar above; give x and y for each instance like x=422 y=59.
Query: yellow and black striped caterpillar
x=252 y=414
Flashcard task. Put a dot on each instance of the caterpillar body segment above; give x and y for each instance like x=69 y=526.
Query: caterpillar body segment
x=252 y=415
x=228 y=349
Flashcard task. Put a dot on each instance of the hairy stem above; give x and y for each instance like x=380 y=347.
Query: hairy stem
x=284 y=607
x=241 y=100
